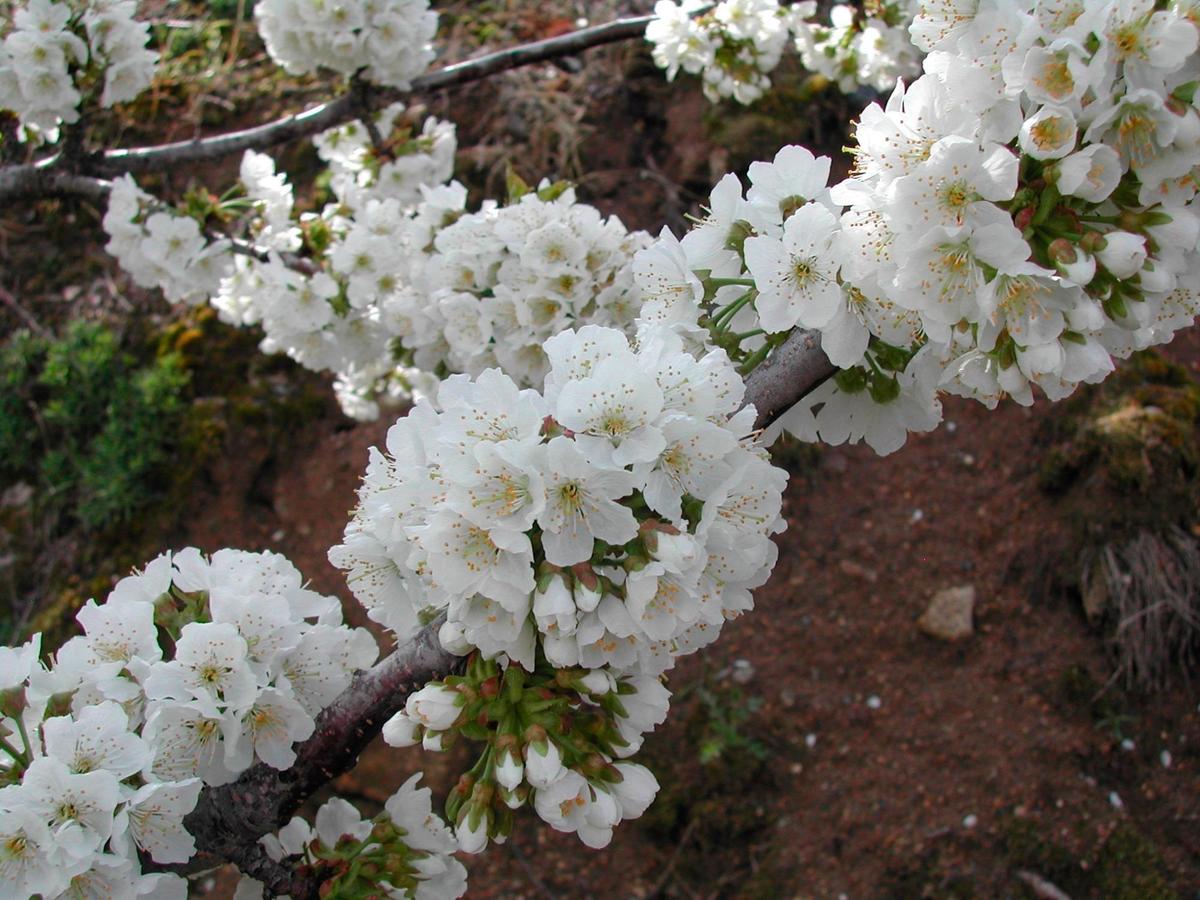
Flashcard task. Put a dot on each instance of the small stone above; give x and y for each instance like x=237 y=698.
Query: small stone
x=873 y=702
x=810 y=741
x=967 y=459
x=1115 y=800
x=278 y=535
x=1095 y=595
x=858 y=570
x=1165 y=759
x=787 y=698
x=951 y=426
x=1127 y=745
x=917 y=516
x=970 y=821
x=950 y=614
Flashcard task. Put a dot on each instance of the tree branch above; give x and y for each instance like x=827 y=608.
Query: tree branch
x=349 y=106
x=33 y=182
x=794 y=370
x=228 y=820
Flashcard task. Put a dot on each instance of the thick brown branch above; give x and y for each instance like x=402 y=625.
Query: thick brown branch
x=795 y=369
x=349 y=106
x=34 y=182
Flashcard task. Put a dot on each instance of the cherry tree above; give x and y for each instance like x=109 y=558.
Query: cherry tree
x=578 y=493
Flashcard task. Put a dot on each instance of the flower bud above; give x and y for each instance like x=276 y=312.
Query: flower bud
x=588 y=596
x=1070 y=262
x=401 y=731
x=453 y=638
x=554 y=608
x=435 y=706
x=472 y=828
x=543 y=762
x=1122 y=253
x=598 y=682
x=509 y=771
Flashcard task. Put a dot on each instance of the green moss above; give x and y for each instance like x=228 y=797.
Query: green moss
x=1125 y=454
x=800 y=108
x=1022 y=842
x=87 y=425
x=1128 y=867
x=1109 y=709
x=719 y=801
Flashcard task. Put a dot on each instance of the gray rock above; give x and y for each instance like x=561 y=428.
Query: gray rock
x=950 y=614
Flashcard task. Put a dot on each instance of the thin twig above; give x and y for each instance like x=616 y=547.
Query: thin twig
x=665 y=878
x=345 y=108
x=25 y=315
x=44 y=179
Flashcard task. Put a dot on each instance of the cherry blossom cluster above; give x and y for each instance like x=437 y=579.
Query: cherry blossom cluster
x=402 y=285
x=1039 y=178
x=58 y=54
x=388 y=41
x=335 y=310
x=576 y=541
x=500 y=282
x=106 y=751
x=736 y=45
x=551 y=737
x=404 y=852
x=409 y=160
x=162 y=249
x=617 y=519
x=859 y=46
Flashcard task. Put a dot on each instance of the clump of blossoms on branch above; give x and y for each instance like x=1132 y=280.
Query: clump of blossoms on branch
x=106 y=751
x=388 y=41
x=736 y=45
x=58 y=56
x=556 y=738
x=405 y=851
x=402 y=285
x=160 y=249
x=395 y=284
x=577 y=540
x=1040 y=178
x=864 y=44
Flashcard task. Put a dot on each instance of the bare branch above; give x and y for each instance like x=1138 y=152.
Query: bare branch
x=349 y=106
x=287 y=878
x=795 y=369
x=34 y=182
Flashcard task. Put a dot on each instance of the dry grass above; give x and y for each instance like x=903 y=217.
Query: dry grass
x=1153 y=589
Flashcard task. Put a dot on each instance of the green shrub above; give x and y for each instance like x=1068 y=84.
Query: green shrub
x=86 y=425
